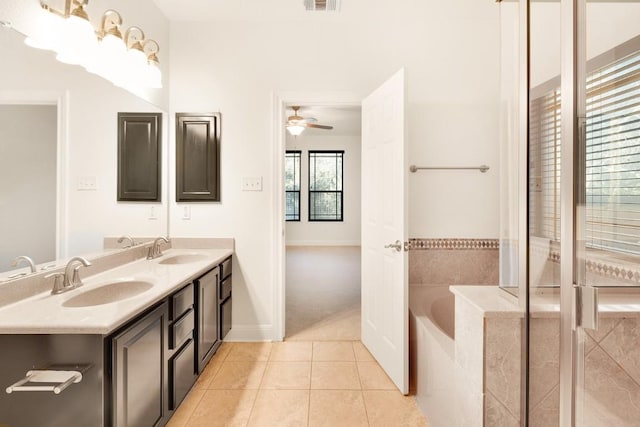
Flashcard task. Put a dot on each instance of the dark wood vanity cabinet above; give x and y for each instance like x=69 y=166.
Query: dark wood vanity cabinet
x=139 y=156
x=208 y=320
x=139 y=394
x=182 y=366
x=225 y=297
x=198 y=157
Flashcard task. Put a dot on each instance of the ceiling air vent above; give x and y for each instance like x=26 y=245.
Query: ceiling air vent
x=322 y=5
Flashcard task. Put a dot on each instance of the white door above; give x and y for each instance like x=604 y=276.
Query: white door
x=385 y=317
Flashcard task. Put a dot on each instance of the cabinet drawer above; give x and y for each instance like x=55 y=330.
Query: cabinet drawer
x=225 y=318
x=182 y=329
x=181 y=301
x=225 y=289
x=182 y=374
x=225 y=268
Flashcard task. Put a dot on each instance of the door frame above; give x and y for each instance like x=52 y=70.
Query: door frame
x=61 y=100
x=280 y=101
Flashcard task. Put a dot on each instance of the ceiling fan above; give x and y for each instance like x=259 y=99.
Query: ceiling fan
x=296 y=124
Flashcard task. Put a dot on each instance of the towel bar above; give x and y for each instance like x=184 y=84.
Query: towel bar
x=481 y=168
x=55 y=379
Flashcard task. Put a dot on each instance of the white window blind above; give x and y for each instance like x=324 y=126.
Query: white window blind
x=612 y=169
x=613 y=156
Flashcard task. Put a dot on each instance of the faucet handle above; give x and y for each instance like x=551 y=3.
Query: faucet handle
x=58 y=282
x=75 y=278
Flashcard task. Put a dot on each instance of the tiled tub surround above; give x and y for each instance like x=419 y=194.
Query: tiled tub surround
x=434 y=265
x=438 y=262
x=489 y=331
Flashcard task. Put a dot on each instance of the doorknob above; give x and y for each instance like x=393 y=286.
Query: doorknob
x=397 y=246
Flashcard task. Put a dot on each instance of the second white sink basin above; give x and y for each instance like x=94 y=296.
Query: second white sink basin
x=108 y=293
x=183 y=259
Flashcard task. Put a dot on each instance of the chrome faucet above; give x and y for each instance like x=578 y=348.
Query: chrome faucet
x=25 y=258
x=70 y=279
x=132 y=242
x=154 y=249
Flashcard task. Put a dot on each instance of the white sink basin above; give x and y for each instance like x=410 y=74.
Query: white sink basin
x=108 y=293
x=183 y=259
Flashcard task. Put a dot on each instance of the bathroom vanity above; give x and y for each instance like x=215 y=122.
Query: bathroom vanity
x=139 y=333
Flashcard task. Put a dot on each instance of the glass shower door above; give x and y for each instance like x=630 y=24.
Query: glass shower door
x=607 y=215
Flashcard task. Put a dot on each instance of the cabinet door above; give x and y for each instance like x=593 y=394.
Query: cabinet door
x=140 y=386
x=197 y=157
x=225 y=318
x=207 y=316
x=183 y=373
x=139 y=153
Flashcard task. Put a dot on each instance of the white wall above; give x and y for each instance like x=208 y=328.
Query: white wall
x=608 y=24
x=28 y=149
x=346 y=232
x=451 y=52
x=90 y=144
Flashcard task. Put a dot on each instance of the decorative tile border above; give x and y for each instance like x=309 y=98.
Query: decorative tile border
x=453 y=244
x=605 y=268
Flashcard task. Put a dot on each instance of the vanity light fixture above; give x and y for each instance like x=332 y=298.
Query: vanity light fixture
x=130 y=61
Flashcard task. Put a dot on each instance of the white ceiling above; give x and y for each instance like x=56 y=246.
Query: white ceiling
x=344 y=119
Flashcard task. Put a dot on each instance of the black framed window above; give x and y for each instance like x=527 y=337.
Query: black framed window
x=292 y=185
x=325 y=185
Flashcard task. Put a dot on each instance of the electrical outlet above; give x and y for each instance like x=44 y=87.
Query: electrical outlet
x=252 y=183
x=87 y=183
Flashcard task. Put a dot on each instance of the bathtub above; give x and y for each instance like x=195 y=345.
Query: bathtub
x=432 y=350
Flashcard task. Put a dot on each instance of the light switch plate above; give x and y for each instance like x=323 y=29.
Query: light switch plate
x=186 y=212
x=252 y=183
x=153 y=213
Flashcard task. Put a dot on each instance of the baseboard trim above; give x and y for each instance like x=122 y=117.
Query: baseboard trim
x=250 y=333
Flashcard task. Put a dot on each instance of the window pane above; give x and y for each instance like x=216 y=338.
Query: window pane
x=292 y=203
x=292 y=171
x=325 y=206
x=292 y=185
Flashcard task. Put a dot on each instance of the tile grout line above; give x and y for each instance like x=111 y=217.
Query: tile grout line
x=186 y=424
x=364 y=403
x=253 y=405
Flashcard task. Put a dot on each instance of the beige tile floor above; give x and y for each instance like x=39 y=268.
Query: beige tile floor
x=295 y=383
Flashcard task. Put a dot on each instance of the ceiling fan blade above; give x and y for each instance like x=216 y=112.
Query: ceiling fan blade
x=311 y=125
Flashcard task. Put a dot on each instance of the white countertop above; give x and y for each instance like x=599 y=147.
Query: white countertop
x=45 y=314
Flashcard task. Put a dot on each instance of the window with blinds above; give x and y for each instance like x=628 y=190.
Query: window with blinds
x=612 y=159
x=613 y=156
x=544 y=167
